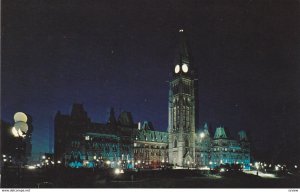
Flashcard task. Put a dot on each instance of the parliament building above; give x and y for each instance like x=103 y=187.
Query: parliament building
x=122 y=143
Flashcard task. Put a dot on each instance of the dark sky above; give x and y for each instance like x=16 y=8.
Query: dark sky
x=120 y=53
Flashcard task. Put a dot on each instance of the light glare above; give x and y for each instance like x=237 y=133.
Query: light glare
x=117 y=171
x=31 y=167
x=14 y=132
x=202 y=135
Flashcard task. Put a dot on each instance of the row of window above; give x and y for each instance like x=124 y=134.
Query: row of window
x=151 y=153
x=229 y=150
x=148 y=150
x=151 y=146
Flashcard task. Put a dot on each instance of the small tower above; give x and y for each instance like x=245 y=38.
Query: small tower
x=205 y=130
x=243 y=136
x=111 y=117
x=181 y=124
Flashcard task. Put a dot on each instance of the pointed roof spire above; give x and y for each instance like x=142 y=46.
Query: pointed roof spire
x=206 y=132
x=112 y=118
x=242 y=135
x=125 y=118
x=220 y=133
x=182 y=55
x=78 y=112
x=205 y=126
x=182 y=62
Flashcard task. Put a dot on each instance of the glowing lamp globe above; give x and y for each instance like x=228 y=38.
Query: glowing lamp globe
x=20 y=117
x=20 y=125
x=14 y=132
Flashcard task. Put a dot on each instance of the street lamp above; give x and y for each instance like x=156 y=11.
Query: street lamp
x=19 y=131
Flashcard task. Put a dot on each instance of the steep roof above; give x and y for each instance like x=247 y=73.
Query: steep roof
x=147 y=125
x=125 y=119
x=220 y=133
x=183 y=51
x=243 y=135
x=78 y=111
x=152 y=136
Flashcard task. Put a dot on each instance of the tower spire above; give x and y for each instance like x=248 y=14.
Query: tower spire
x=181 y=125
x=182 y=58
x=183 y=54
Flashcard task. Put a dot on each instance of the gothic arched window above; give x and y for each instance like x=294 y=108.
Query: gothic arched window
x=175 y=143
x=186 y=143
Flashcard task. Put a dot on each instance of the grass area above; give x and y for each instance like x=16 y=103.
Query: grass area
x=87 y=178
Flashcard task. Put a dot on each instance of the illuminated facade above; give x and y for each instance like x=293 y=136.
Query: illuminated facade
x=150 y=147
x=186 y=148
x=122 y=143
x=181 y=124
x=117 y=143
x=80 y=142
x=221 y=149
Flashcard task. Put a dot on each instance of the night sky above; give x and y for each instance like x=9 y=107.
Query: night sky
x=120 y=54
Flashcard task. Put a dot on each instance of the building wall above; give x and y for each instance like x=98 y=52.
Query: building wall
x=212 y=152
x=80 y=142
x=150 y=148
x=120 y=143
x=150 y=154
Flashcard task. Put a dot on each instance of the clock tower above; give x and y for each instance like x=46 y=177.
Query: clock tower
x=181 y=123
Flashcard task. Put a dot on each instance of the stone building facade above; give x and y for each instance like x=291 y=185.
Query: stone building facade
x=221 y=149
x=117 y=143
x=80 y=142
x=186 y=148
x=150 y=147
x=123 y=143
x=181 y=124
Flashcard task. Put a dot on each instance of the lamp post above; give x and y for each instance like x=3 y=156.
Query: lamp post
x=19 y=131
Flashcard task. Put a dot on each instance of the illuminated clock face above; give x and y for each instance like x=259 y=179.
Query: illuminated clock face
x=185 y=68
x=177 y=69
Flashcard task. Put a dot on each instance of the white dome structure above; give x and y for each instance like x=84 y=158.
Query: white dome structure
x=20 y=117
x=20 y=125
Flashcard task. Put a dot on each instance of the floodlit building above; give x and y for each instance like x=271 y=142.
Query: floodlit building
x=117 y=143
x=182 y=104
x=222 y=149
x=79 y=142
x=203 y=147
x=186 y=148
x=150 y=147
